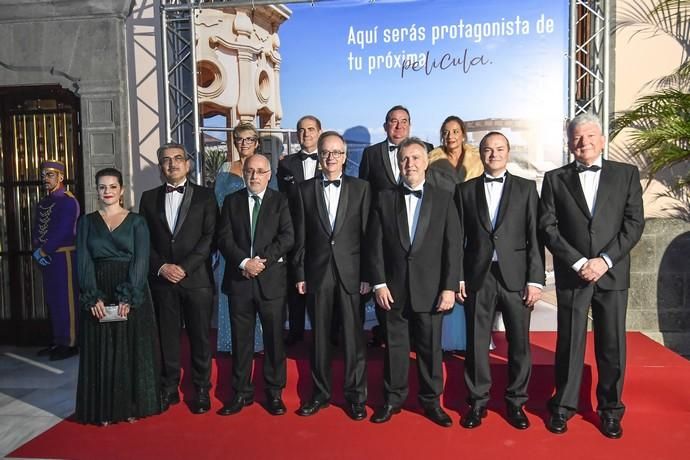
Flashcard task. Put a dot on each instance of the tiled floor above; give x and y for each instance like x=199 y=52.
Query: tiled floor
x=36 y=394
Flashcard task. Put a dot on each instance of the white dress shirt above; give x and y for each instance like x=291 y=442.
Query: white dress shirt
x=331 y=196
x=309 y=166
x=393 y=156
x=412 y=207
x=250 y=202
x=589 y=181
x=493 y=192
x=173 y=200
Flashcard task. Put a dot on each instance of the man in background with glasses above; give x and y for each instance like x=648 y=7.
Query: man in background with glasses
x=254 y=235
x=181 y=217
x=332 y=214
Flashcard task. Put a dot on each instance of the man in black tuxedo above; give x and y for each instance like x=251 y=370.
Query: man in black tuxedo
x=415 y=257
x=254 y=235
x=379 y=167
x=293 y=170
x=181 y=217
x=503 y=267
x=331 y=222
x=590 y=217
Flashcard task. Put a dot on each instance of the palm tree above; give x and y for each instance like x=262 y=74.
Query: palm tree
x=659 y=124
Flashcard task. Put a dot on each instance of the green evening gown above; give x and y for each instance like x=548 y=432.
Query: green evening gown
x=119 y=362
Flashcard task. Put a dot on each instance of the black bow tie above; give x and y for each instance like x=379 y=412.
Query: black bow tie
x=417 y=193
x=335 y=182
x=170 y=189
x=392 y=148
x=582 y=168
x=304 y=156
x=488 y=179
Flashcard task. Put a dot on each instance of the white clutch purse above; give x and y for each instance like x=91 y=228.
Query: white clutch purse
x=111 y=315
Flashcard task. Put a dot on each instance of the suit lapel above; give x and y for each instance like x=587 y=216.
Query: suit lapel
x=340 y=215
x=244 y=214
x=401 y=213
x=160 y=206
x=424 y=218
x=605 y=188
x=298 y=169
x=263 y=209
x=482 y=206
x=387 y=163
x=572 y=182
x=505 y=198
x=321 y=206
x=184 y=208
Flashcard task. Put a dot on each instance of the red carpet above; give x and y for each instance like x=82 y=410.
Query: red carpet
x=656 y=425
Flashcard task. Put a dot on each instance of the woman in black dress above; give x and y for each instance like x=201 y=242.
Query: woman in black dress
x=119 y=361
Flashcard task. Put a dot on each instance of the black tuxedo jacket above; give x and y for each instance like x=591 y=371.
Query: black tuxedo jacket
x=290 y=175
x=520 y=255
x=274 y=238
x=190 y=244
x=317 y=244
x=417 y=272
x=376 y=168
x=571 y=232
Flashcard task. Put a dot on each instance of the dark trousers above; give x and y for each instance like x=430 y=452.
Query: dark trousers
x=173 y=304
x=608 y=323
x=60 y=293
x=426 y=332
x=296 y=312
x=243 y=311
x=328 y=300
x=480 y=308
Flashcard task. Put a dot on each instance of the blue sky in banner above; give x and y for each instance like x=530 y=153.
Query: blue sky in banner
x=348 y=61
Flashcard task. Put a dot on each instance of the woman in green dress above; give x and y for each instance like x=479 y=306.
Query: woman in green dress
x=119 y=360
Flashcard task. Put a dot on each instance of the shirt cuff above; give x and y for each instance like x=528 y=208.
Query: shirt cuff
x=244 y=262
x=379 y=286
x=158 y=273
x=536 y=285
x=578 y=265
x=607 y=259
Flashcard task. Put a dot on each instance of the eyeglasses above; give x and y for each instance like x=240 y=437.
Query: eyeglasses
x=245 y=140
x=165 y=161
x=258 y=172
x=331 y=153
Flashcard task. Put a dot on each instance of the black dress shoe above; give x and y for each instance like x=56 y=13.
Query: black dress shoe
x=311 y=407
x=237 y=404
x=517 y=417
x=356 y=411
x=61 y=352
x=473 y=417
x=169 y=399
x=438 y=416
x=275 y=405
x=203 y=402
x=46 y=351
x=558 y=424
x=611 y=427
x=384 y=413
